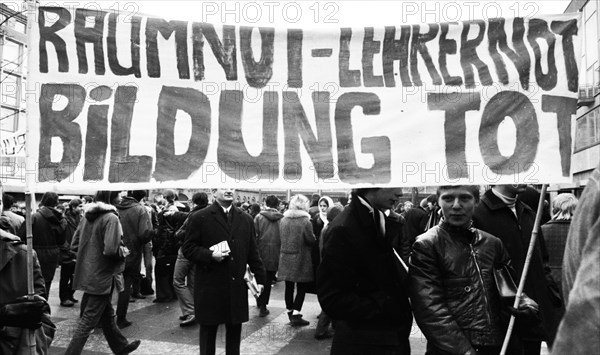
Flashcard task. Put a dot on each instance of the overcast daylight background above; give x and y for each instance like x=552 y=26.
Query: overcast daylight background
x=326 y=13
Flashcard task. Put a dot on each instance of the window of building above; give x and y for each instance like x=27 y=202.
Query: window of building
x=8 y=119
x=10 y=89
x=591 y=43
x=588 y=130
x=12 y=56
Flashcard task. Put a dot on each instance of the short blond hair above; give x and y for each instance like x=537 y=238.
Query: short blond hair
x=564 y=206
x=299 y=202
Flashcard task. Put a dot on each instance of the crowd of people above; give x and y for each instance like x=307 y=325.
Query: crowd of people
x=373 y=263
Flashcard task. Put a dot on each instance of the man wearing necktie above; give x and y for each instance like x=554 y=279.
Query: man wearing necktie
x=361 y=282
x=220 y=293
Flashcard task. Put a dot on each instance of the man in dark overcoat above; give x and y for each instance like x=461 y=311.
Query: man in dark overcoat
x=361 y=282
x=501 y=214
x=220 y=292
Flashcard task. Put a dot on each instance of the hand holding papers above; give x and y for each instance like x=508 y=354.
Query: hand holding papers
x=220 y=251
x=255 y=288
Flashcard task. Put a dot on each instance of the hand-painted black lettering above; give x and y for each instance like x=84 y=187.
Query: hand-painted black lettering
x=124 y=167
x=539 y=29
x=225 y=52
x=94 y=35
x=379 y=147
x=370 y=47
x=469 y=58
x=294 y=58
x=447 y=46
x=418 y=44
x=193 y=102
x=455 y=105
x=96 y=140
x=568 y=29
x=231 y=141
x=565 y=108
x=111 y=46
x=155 y=25
x=395 y=49
x=296 y=128
x=517 y=106
x=348 y=78
x=519 y=56
x=59 y=124
x=48 y=34
x=258 y=73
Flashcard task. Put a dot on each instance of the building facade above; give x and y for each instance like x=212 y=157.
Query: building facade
x=586 y=149
x=13 y=71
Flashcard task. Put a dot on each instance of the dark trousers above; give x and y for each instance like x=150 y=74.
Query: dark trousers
x=208 y=337
x=123 y=301
x=48 y=268
x=351 y=348
x=323 y=324
x=65 y=285
x=263 y=300
x=297 y=302
x=97 y=309
x=532 y=347
x=163 y=275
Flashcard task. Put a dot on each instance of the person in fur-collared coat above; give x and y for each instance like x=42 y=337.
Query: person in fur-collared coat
x=101 y=254
x=295 y=261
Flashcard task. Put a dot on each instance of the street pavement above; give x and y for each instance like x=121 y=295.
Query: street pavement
x=157 y=326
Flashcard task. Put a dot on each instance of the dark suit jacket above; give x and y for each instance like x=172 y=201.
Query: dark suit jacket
x=220 y=292
x=358 y=284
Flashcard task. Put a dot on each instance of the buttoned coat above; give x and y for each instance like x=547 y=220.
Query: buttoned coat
x=360 y=285
x=220 y=292
x=297 y=239
x=493 y=216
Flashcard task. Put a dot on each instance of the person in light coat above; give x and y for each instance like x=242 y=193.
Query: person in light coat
x=295 y=261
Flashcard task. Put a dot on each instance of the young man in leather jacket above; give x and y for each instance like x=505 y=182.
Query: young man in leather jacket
x=454 y=296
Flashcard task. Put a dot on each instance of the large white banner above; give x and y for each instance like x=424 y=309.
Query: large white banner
x=138 y=102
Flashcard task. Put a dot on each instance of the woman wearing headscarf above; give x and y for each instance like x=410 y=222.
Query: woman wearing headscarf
x=319 y=221
x=295 y=262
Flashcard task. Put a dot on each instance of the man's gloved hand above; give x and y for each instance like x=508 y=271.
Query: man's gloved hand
x=528 y=311
x=24 y=313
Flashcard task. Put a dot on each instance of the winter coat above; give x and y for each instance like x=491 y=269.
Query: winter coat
x=297 y=239
x=48 y=230
x=13 y=273
x=579 y=329
x=399 y=241
x=415 y=223
x=99 y=246
x=268 y=240
x=220 y=292
x=493 y=216
x=359 y=285
x=14 y=219
x=67 y=256
x=452 y=289
x=165 y=244
x=555 y=236
x=137 y=230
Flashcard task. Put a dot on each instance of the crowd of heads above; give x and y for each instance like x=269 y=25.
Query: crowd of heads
x=563 y=204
